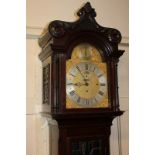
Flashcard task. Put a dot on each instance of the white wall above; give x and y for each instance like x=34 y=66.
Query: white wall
x=110 y=13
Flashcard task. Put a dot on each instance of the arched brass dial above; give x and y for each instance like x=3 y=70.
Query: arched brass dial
x=86 y=79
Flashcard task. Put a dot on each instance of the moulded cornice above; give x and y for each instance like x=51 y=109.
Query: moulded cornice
x=34 y=32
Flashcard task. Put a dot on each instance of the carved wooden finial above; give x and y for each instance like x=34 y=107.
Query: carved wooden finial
x=87 y=10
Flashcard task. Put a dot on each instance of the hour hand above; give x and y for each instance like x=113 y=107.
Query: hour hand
x=77 y=84
x=80 y=84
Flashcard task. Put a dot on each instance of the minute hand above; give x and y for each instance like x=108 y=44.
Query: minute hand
x=80 y=73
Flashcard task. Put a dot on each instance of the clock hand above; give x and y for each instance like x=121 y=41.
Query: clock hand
x=86 y=80
x=81 y=74
x=78 y=84
x=81 y=84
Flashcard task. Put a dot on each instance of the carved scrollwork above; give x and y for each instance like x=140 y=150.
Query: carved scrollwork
x=61 y=33
x=56 y=28
x=114 y=35
x=46 y=84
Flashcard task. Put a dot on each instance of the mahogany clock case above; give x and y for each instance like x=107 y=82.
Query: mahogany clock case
x=57 y=43
x=86 y=129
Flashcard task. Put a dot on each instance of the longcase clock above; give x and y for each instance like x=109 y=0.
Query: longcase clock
x=80 y=85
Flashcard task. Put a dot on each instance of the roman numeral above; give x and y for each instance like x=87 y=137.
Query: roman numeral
x=69 y=83
x=95 y=99
x=72 y=92
x=78 y=100
x=94 y=69
x=102 y=84
x=72 y=74
x=100 y=75
x=78 y=68
x=87 y=101
x=86 y=66
x=101 y=93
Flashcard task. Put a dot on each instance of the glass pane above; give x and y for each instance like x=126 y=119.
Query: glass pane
x=91 y=147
